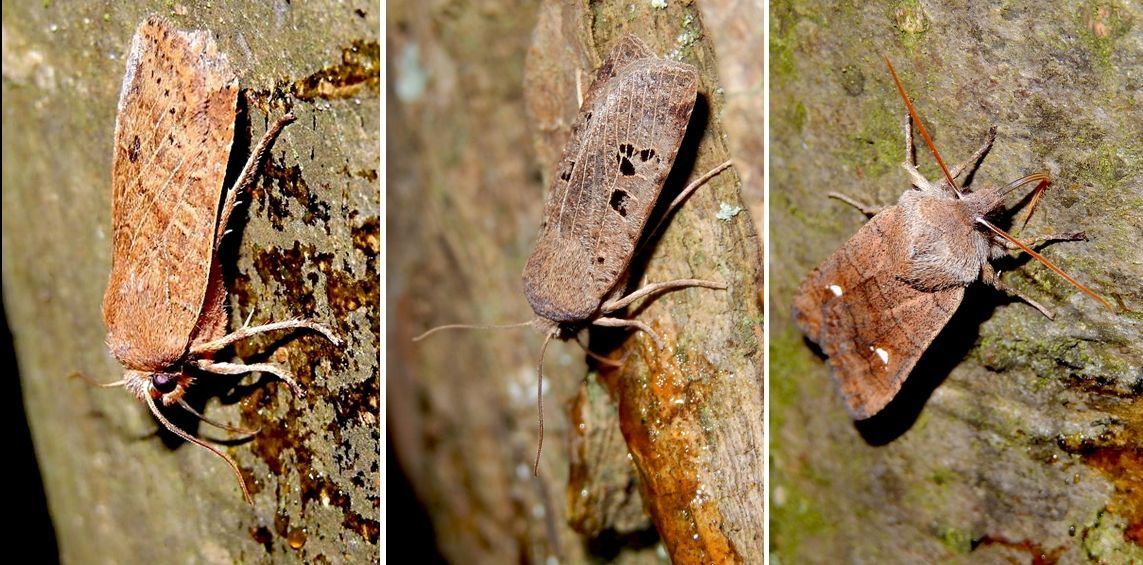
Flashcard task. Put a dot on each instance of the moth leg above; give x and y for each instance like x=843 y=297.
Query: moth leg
x=578 y=88
x=910 y=164
x=242 y=431
x=223 y=368
x=1045 y=240
x=622 y=323
x=910 y=150
x=867 y=209
x=604 y=360
x=613 y=305
x=973 y=162
x=992 y=278
x=686 y=193
x=202 y=349
x=250 y=170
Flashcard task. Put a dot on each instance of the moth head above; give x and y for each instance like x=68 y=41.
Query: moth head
x=167 y=387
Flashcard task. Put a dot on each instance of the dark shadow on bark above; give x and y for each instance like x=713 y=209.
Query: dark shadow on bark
x=946 y=352
x=413 y=531
x=35 y=528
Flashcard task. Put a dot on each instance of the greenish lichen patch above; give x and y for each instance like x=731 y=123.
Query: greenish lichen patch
x=877 y=148
x=1087 y=365
x=956 y=539
x=795 y=519
x=1102 y=24
x=782 y=38
x=910 y=21
x=798 y=119
x=789 y=358
x=942 y=476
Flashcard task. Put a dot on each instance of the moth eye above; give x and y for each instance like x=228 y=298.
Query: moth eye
x=164 y=383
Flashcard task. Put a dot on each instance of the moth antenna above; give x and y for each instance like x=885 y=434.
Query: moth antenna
x=249 y=317
x=921 y=127
x=1045 y=261
x=174 y=430
x=217 y=424
x=93 y=382
x=540 y=400
x=472 y=327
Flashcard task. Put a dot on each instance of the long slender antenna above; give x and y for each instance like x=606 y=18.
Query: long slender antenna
x=921 y=127
x=91 y=381
x=1045 y=261
x=540 y=401
x=174 y=430
x=432 y=331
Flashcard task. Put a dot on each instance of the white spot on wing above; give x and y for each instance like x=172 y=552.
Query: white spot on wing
x=836 y=290
x=884 y=355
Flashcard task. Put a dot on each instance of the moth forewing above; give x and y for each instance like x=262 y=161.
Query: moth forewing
x=173 y=135
x=626 y=138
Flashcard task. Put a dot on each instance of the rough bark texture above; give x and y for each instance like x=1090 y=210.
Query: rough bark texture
x=309 y=248
x=671 y=442
x=1018 y=437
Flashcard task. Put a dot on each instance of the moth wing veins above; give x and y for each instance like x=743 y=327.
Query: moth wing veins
x=608 y=182
x=173 y=136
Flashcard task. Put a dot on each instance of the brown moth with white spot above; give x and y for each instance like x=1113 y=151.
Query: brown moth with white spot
x=621 y=149
x=876 y=304
x=164 y=307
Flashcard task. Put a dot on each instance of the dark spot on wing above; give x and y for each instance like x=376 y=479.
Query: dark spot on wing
x=619 y=201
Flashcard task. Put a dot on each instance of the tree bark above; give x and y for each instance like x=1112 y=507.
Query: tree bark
x=669 y=445
x=1017 y=437
x=305 y=246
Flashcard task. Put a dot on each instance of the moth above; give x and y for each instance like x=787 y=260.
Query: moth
x=875 y=305
x=622 y=146
x=164 y=307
